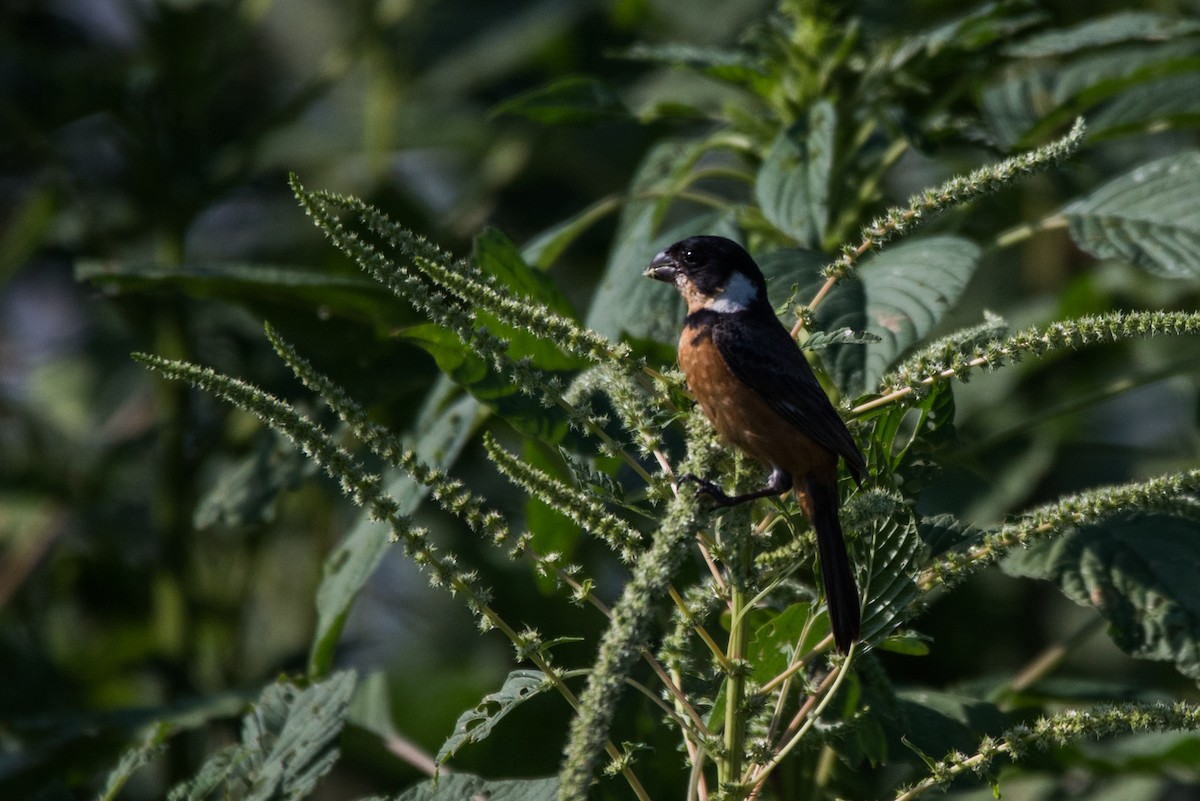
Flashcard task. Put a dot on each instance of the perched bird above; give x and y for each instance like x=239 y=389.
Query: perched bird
x=756 y=387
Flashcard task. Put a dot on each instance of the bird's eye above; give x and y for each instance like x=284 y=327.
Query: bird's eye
x=689 y=257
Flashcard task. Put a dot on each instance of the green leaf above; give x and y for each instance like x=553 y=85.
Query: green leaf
x=729 y=65
x=1171 y=98
x=893 y=548
x=945 y=532
x=497 y=256
x=792 y=186
x=626 y=302
x=973 y=31
x=899 y=297
x=476 y=724
x=842 y=336
x=544 y=249
x=1139 y=571
x=937 y=723
x=462 y=786
x=1147 y=216
x=245 y=493
x=1125 y=26
x=152 y=744
x=572 y=100
x=288 y=743
x=371 y=706
x=474 y=374
x=441 y=430
x=1032 y=99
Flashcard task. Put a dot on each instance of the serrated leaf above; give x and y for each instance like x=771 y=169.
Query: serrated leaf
x=291 y=734
x=442 y=428
x=567 y=101
x=463 y=786
x=893 y=548
x=288 y=743
x=1147 y=216
x=792 y=186
x=1032 y=98
x=899 y=297
x=476 y=724
x=151 y=745
x=1124 y=26
x=945 y=532
x=1139 y=571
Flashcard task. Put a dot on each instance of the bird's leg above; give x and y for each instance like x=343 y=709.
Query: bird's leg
x=779 y=483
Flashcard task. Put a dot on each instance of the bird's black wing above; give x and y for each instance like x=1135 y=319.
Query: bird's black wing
x=761 y=353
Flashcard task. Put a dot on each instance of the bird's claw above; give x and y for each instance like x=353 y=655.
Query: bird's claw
x=707 y=488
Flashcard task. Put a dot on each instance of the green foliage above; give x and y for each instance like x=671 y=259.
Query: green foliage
x=520 y=431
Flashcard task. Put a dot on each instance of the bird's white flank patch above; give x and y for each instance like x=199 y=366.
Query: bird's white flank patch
x=737 y=294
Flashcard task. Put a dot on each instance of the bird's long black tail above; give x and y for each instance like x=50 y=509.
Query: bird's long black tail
x=841 y=590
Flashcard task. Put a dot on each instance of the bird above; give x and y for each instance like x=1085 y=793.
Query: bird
x=753 y=383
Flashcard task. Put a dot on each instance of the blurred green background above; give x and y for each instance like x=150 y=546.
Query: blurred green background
x=158 y=548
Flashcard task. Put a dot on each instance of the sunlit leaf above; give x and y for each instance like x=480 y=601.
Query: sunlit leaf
x=1147 y=216
x=889 y=533
x=465 y=786
x=900 y=295
x=476 y=724
x=1124 y=26
x=288 y=743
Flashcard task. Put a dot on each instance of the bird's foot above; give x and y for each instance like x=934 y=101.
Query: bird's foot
x=709 y=489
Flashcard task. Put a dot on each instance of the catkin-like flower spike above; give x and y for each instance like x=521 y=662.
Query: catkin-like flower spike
x=640 y=415
x=983 y=181
x=364 y=488
x=478 y=290
x=379 y=439
x=579 y=507
x=1055 y=731
x=447 y=310
x=1055 y=518
x=958 y=355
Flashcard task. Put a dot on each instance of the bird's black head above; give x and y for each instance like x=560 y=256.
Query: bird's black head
x=711 y=272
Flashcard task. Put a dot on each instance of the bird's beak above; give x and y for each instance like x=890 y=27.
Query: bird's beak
x=662 y=268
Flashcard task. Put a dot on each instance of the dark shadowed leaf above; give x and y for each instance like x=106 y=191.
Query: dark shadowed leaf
x=1140 y=572
x=573 y=100
x=626 y=302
